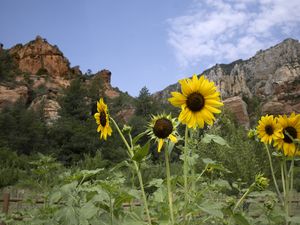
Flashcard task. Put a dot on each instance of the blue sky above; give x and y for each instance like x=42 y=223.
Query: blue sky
x=151 y=43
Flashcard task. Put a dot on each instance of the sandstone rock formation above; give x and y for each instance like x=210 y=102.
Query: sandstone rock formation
x=39 y=56
x=10 y=95
x=45 y=75
x=239 y=108
x=50 y=106
x=104 y=76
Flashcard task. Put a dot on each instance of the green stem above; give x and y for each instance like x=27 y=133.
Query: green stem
x=193 y=169
x=130 y=152
x=185 y=173
x=282 y=178
x=243 y=197
x=122 y=136
x=203 y=171
x=286 y=198
x=169 y=185
x=273 y=175
x=291 y=176
x=292 y=172
x=111 y=211
x=143 y=192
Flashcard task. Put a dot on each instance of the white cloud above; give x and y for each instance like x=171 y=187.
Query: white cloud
x=226 y=30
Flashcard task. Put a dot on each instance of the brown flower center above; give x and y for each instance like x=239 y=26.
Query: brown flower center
x=292 y=132
x=103 y=118
x=162 y=128
x=269 y=130
x=195 y=102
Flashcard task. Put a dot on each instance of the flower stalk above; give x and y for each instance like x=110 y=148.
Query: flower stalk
x=273 y=174
x=170 y=195
x=185 y=172
x=130 y=152
x=249 y=190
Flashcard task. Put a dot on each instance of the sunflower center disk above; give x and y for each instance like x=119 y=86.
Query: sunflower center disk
x=162 y=128
x=195 y=102
x=292 y=132
x=269 y=130
x=103 y=119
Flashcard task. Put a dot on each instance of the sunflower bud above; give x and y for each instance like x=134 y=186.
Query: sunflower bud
x=126 y=129
x=251 y=133
x=269 y=204
x=261 y=182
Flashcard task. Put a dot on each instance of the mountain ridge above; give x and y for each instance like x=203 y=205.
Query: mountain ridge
x=271 y=75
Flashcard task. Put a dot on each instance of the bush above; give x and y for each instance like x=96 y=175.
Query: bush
x=244 y=158
x=12 y=167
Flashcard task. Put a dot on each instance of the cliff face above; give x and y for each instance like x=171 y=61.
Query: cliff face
x=272 y=76
x=43 y=75
x=39 y=55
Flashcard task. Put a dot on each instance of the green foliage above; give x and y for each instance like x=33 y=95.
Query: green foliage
x=73 y=103
x=86 y=201
x=22 y=130
x=12 y=167
x=8 y=68
x=237 y=155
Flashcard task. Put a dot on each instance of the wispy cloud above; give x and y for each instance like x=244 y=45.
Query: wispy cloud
x=226 y=30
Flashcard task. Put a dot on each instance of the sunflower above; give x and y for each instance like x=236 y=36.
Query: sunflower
x=268 y=129
x=102 y=119
x=199 y=101
x=162 y=127
x=291 y=130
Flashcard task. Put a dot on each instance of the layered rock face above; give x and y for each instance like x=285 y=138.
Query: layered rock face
x=39 y=55
x=10 y=95
x=272 y=76
x=45 y=73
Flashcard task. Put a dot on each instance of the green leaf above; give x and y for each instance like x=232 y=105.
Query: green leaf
x=155 y=182
x=68 y=216
x=222 y=183
x=88 y=211
x=208 y=138
x=191 y=160
x=212 y=208
x=55 y=197
x=294 y=219
x=240 y=219
x=209 y=161
x=141 y=153
x=137 y=138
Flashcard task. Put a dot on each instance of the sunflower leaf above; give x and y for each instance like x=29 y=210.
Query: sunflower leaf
x=141 y=152
x=137 y=138
x=208 y=138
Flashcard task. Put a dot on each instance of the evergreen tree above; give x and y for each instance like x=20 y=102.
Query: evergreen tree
x=74 y=103
x=144 y=103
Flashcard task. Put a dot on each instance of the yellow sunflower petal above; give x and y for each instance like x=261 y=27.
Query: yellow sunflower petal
x=185 y=87
x=178 y=99
x=172 y=138
x=160 y=144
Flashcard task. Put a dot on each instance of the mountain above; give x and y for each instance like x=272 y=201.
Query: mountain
x=38 y=73
x=270 y=81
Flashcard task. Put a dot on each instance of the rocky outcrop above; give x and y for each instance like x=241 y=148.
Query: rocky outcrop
x=50 y=108
x=104 y=77
x=45 y=74
x=39 y=57
x=126 y=113
x=10 y=95
x=239 y=108
x=272 y=76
